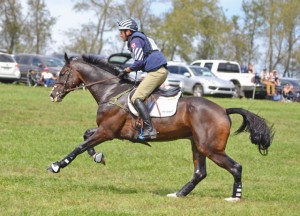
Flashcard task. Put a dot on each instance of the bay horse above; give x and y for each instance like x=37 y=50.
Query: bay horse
x=206 y=124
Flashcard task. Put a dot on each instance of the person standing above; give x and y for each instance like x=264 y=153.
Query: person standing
x=147 y=58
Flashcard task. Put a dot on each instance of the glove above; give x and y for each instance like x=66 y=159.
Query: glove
x=122 y=74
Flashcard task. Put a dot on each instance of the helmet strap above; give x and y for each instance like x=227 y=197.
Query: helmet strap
x=128 y=36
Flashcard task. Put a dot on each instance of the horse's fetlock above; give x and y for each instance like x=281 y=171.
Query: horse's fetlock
x=91 y=152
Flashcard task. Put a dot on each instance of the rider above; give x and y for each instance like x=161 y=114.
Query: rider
x=149 y=59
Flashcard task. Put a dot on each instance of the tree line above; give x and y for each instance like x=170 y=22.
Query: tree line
x=264 y=32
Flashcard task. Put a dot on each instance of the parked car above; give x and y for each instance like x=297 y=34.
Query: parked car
x=200 y=81
x=61 y=56
x=231 y=71
x=123 y=60
x=9 y=69
x=33 y=62
x=292 y=81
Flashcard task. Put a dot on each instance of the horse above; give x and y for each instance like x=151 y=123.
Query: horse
x=203 y=122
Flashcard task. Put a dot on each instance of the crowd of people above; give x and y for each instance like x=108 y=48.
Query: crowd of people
x=272 y=84
x=271 y=81
x=274 y=89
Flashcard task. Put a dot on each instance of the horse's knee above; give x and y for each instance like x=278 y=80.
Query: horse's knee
x=236 y=171
x=88 y=133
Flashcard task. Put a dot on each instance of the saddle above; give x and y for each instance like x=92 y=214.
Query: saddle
x=161 y=103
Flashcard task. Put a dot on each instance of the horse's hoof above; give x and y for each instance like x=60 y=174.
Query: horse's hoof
x=99 y=158
x=54 y=168
x=172 y=195
x=232 y=199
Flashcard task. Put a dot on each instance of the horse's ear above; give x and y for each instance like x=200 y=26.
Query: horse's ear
x=66 y=58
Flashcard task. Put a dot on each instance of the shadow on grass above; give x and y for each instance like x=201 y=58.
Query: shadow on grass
x=112 y=189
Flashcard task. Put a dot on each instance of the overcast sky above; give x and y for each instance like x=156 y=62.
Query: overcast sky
x=67 y=18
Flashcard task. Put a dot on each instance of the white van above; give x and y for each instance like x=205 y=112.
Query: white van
x=230 y=70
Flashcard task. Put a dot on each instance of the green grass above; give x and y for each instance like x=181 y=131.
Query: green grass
x=35 y=132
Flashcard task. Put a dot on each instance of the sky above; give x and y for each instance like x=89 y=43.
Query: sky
x=68 y=18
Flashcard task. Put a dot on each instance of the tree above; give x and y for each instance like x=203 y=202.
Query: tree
x=253 y=22
x=37 y=28
x=10 y=24
x=290 y=13
x=89 y=38
x=193 y=29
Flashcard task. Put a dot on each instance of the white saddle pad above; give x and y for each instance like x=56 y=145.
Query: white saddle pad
x=167 y=106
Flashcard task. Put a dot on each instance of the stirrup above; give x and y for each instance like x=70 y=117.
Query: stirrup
x=152 y=135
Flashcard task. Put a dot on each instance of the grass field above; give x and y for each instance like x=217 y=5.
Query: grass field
x=35 y=132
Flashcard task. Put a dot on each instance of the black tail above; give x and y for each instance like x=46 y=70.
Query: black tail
x=260 y=133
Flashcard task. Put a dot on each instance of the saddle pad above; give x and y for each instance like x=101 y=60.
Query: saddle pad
x=167 y=106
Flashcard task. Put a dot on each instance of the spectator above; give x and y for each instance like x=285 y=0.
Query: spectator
x=276 y=78
x=48 y=78
x=244 y=69
x=268 y=80
x=251 y=69
x=33 y=78
x=288 y=92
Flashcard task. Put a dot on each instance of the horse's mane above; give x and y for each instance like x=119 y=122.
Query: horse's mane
x=101 y=63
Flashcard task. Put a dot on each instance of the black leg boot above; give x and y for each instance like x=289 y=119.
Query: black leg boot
x=149 y=132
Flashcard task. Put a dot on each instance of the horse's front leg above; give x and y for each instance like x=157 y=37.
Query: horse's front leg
x=85 y=145
x=98 y=157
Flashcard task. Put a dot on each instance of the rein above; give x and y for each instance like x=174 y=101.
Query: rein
x=90 y=84
x=80 y=87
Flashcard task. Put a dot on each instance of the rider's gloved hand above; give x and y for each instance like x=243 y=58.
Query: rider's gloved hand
x=122 y=74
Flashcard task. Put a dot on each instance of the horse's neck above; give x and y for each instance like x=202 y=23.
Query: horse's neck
x=103 y=93
x=101 y=84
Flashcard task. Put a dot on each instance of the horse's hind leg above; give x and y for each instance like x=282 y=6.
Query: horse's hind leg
x=98 y=157
x=235 y=169
x=199 y=173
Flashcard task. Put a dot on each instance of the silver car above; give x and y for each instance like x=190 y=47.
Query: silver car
x=123 y=60
x=200 y=81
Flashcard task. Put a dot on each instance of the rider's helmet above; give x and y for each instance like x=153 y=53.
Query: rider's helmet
x=128 y=24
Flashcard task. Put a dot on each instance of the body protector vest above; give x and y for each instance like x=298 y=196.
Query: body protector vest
x=153 y=58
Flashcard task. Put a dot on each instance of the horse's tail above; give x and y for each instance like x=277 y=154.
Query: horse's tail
x=260 y=133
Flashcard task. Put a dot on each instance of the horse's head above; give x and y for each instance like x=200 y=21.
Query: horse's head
x=67 y=80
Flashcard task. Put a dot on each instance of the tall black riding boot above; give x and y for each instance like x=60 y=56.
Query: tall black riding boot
x=148 y=132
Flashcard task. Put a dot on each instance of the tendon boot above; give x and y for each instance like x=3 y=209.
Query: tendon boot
x=148 y=132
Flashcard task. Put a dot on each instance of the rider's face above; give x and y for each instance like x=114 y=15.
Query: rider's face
x=124 y=34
